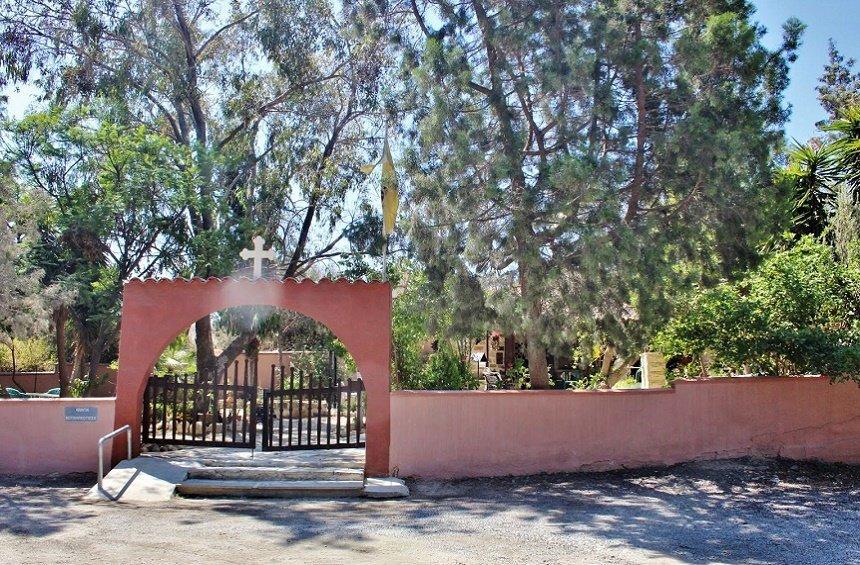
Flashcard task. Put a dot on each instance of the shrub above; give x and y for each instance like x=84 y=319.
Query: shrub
x=799 y=312
x=444 y=370
x=35 y=354
x=627 y=383
x=178 y=357
x=518 y=375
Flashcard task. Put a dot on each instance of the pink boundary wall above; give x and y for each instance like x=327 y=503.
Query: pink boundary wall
x=449 y=434
x=36 y=439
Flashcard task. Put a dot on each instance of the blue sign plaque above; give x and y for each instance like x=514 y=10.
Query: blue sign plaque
x=82 y=413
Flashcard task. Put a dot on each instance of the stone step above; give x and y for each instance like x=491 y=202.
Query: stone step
x=294 y=461
x=254 y=473
x=270 y=489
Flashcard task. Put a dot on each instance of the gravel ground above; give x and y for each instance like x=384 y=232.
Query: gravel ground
x=750 y=511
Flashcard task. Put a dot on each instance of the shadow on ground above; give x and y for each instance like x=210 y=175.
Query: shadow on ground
x=729 y=511
x=754 y=511
x=40 y=506
x=747 y=510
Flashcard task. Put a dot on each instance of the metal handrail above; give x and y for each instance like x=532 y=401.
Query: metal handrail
x=127 y=429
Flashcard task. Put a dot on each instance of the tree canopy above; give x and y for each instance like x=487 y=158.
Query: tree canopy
x=269 y=104
x=586 y=159
x=797 y=313
x=572 y=172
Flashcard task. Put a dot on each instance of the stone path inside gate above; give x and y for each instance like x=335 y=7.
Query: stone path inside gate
x=237 y=472
x=351 y=458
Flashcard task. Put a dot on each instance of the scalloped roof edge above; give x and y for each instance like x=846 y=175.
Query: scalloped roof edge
x=293 y=280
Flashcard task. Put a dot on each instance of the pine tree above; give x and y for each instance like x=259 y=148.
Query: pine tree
x=839 y=85
x=583 y=159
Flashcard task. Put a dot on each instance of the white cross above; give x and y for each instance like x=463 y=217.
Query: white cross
x=257 y=255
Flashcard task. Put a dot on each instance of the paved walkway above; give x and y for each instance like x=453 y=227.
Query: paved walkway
x=723 y=511
x=352 y=458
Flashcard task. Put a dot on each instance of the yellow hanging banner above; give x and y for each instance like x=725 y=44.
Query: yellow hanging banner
x=390 y=198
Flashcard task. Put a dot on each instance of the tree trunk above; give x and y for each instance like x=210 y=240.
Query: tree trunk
x=252 y=353
x=205 y=349
x=3 y=393
x=78 y=360
x=241 y=343
x=638 y=181
x=621 y=372
x=608 y=358
x=61 y=316
x=528 y=258
x=15 y=368
x=96 y=351
x=281 y=367
x=538 y=373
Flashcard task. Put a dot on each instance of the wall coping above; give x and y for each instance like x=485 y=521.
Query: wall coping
x=90 y=400
x=542 y=392
x=262 y=281
x=748 y=378
x=629 y=391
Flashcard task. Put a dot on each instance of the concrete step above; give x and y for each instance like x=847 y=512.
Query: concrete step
x=270 y=489
x=255 y=473
x=287 y=460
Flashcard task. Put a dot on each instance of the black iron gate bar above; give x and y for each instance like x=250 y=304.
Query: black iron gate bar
x=211 y=400
x=329 y=388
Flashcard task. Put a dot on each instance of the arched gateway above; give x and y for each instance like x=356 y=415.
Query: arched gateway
x=155 y=311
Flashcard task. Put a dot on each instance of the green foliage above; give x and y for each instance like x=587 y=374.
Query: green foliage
x=518 y=375
x=311 y=362
x=422 y=319
x=25 y=300
x=586 y=163
x=344 y=356
x=177 y=358
x=843 y=229
x=81 y=387
x=839 y=86
x=444 y=370
x=34 y=354
x=115 y=197
x=799 y=312
x=627 y=383
x=818 y=171
x=265 y=127
x=812 y=171
x=409 y=328
x=846 y=146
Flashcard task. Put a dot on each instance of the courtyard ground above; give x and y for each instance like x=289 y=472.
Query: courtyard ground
x=755 y=511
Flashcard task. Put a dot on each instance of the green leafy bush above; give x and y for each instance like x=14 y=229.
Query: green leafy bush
x=627 y=383
x=178 y=357
x=518 y=375
x=35 y=354
x=799 y=312
x=444 y=370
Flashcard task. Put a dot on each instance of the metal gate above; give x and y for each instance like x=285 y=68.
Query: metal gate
x=306 y=411
x=182 y=409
